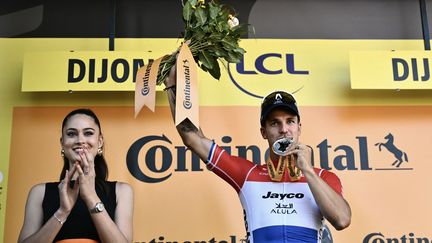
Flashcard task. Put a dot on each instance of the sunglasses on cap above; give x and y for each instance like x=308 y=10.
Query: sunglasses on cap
x=276 y=97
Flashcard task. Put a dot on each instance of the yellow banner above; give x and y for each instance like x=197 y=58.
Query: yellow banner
x=390 y=70
x=83 y=71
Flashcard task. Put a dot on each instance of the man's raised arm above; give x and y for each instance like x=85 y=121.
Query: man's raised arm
x=192 y=136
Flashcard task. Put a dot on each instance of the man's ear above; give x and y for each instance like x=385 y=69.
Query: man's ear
x=263 y=132
x=299 y=128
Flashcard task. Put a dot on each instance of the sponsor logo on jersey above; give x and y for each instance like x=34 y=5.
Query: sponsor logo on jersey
x=282 y=196
x=281 y=208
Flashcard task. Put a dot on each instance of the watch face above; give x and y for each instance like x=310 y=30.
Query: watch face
x=99 y=207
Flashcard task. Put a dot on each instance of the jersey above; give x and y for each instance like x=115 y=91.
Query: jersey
x=283 y=211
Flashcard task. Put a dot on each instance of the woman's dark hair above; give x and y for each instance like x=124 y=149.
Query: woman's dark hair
x=101 y=168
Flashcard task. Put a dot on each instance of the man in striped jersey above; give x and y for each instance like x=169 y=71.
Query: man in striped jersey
x=287 y=199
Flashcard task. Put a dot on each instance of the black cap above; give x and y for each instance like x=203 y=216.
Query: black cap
x=278 y=99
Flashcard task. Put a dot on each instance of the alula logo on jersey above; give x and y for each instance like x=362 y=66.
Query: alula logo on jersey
x=281 y=208
x=276 y=70
x=378 y=237
x=154 y=158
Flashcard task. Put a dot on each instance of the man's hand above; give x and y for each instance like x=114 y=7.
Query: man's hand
x=303 y=154
x=170 y=81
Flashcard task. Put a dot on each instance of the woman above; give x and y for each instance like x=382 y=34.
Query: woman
x=83 y=205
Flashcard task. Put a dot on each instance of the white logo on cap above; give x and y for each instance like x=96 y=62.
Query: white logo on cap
x=278 y=96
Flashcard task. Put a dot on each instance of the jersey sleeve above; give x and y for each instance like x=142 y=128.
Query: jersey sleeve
x=332 y=180
x=232 y=169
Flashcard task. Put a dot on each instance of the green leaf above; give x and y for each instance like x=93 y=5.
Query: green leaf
x=222 y=26
x=193 y=2
x=214 y=10
x=228 y=43
x=207 y=29
x=239 y=50
x=187 y=11
x=220 y=52
x=215 y=71
x=240 y=30
x=198 y=35
x=206 y=59
x=215 y=36
x=201 y=16
x=233 y=57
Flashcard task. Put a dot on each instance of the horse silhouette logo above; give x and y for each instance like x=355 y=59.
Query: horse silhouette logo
x=400 y=155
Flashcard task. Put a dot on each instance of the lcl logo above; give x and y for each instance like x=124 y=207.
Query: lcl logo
x=273 y=67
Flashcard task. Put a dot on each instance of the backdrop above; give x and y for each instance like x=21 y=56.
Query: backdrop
x=177 y=199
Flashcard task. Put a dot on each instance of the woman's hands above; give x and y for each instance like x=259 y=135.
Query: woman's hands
x=84 y=185
x=86 y=178
x=68 y=194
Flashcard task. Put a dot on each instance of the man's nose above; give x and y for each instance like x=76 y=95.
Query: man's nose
x=284 y=128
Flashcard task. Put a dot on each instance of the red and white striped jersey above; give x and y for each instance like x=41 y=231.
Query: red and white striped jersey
x=283 y=211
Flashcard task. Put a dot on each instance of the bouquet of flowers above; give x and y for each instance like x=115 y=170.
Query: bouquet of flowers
x=212 y=32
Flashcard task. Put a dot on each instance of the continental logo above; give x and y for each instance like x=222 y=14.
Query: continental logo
x=187 y=104
x=162 y=239
x=154 y=158
x=146 y=89
x=266 y=72
x=398 y=154
x=406 y=238
x=94 y=70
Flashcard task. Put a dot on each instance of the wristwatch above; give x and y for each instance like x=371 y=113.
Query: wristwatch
x=99 y=207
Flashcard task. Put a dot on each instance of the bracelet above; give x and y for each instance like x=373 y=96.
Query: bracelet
x=61 y=222
x=170 y=87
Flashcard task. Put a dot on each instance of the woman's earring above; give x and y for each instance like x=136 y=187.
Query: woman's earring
x=100 y=151
x=62 y=153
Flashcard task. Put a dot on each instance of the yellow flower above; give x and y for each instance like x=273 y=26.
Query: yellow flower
x=201 y=1
x=193 y=7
